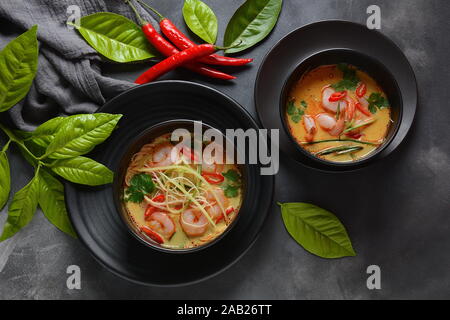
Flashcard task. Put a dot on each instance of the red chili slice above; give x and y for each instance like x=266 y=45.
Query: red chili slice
x=361 y=90
x=213 y=178
x=337 y=96
x=228 y=211
x=363 y=110
x=152 y=234
x=159 y=198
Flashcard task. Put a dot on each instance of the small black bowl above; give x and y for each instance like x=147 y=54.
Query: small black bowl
x=365 y=63
x=144 y=138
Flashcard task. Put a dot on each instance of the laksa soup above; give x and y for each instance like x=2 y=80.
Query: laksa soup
x=177 y=200
x=338 y=113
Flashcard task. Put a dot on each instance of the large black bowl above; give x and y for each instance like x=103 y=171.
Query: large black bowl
x=94 y=215
x=329 y=42
x=166 y=127
x=365 y=63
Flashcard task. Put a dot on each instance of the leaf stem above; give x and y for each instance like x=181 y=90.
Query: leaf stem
x=18 y=141
x=138 y=16
x=6 y=146
x=151 y=9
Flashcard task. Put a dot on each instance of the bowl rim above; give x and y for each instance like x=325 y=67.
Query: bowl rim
x=117 y=187
x=325 y=164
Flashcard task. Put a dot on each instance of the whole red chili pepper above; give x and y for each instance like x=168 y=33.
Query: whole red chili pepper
x=167 y=49
x=183 y=42
x=175 y=61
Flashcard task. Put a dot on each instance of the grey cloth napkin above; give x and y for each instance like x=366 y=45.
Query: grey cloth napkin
x=69 y=78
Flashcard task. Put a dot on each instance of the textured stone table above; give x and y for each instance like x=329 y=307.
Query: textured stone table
x=397 y=212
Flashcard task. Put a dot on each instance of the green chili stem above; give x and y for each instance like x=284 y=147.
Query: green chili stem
x=340 y=140
x=151 y=9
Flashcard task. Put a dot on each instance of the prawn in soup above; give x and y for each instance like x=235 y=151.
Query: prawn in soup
x=175 y=201
x=338 y=113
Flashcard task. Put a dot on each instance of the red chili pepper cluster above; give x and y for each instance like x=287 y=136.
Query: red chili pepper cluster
x=181 y=51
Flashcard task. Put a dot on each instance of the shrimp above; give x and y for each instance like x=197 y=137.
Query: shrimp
x=310 y=127
x=218 y=202
x=213 y=163
x=163 y=155
x=330 y=124
x=364 y=107
x=193 y=222
x=350 y=110
x=162 y=223
x=332 y=106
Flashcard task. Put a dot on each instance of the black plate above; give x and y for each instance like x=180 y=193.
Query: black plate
x=317 y=37
x=97 y=221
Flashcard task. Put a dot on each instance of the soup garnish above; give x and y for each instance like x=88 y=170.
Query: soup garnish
x=175 y=201
x=338 y=113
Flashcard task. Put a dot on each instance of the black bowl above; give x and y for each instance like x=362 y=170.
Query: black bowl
x=94 y=215
x=146 y=137
x=354 y=43
x=365 y=63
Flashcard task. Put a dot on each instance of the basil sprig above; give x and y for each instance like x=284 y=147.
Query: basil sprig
x=54 y=148
x=317 y=230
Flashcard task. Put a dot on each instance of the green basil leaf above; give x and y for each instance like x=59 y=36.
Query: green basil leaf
x=80 y=134
x=317 y=230
x=5 y=179
x=115 y=37
x=83 y=170
x=45 y=133
x=251 y=23
x=51 y=201
x=22 y=209
x=18 y=66
x=201 y=20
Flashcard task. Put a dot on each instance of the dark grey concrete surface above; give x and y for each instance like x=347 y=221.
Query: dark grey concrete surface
x=396 y=212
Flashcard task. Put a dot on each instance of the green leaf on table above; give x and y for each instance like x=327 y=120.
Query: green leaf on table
x=18 y=66
x=140 y=185
x=80 y=134
x=251 y=23
x=83 y=170
x=5 y=179
x=115 y=37
x=201 y=20
x=51 y=201
x=21 y=209
x=317 y=230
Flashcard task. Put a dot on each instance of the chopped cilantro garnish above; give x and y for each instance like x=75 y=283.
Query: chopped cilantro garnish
x=231 y=191
x=350 y=79
x=296 y=113
x=231 y=175
x=376 y=100
x=140 y=185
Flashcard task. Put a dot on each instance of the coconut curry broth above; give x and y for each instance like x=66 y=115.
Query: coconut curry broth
x=225 y=183
x=371 y=118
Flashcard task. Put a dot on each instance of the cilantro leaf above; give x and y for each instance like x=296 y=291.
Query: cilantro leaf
x=376 y=100
x=231 y=191
x=304 y=104
x=291 y=108
x=140 y=185
x=296 y=118
x=231 y=175
x=350 y=79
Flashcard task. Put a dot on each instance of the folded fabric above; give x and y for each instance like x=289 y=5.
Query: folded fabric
x=69 y=78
